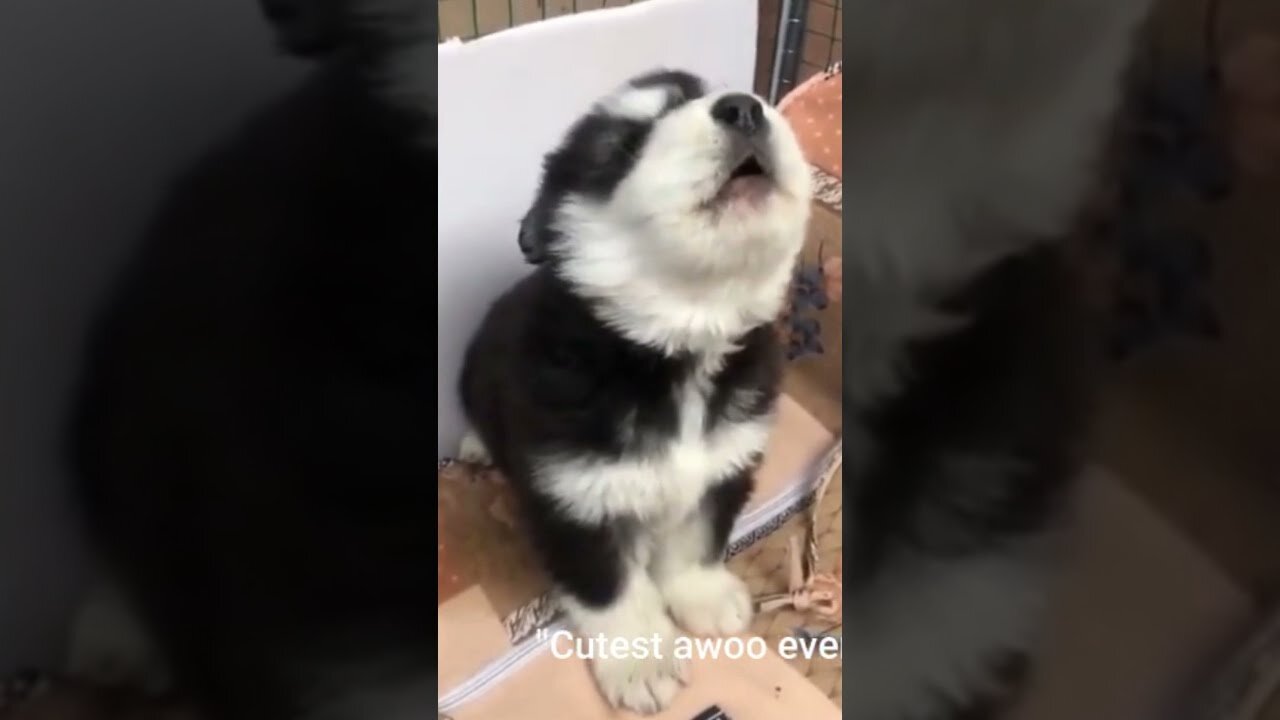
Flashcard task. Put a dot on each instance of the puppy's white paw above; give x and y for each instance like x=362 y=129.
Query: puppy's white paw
x=473 y=450
x=709 y=601
x=645 y=685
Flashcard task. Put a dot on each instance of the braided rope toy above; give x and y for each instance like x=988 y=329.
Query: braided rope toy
x=809 y=590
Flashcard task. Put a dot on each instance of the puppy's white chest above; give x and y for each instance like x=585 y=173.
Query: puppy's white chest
x=667 y=478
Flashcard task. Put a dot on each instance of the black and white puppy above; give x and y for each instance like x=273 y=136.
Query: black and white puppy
x=249 y=433
x=972 y=133
x=626 y=386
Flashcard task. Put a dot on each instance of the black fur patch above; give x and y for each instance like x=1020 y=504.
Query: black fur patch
x=682 y=86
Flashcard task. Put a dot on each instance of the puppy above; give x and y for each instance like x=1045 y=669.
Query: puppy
x=626 y=386
x=972 y=133
x=248 y=434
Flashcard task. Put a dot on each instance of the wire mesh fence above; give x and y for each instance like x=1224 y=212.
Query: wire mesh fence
x=796 y=38
x=822 y=44
x=467 y=19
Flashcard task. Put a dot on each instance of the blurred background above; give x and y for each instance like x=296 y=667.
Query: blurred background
x=100 y=103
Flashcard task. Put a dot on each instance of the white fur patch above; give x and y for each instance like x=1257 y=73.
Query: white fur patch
x=923 y=635
x=644 y=103
x=704 y=597
x=665 y=483
x=667 y=268
x=669 y=312
x=472 y=449
x=643 y=684
x=709 y=600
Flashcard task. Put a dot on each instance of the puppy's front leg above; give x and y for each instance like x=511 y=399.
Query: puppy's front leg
x=688 y=565
x=610 y=601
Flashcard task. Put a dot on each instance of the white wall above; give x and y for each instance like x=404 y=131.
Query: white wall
x=99 y=102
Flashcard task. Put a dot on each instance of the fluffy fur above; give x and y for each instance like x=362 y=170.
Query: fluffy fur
x=971 y=134
x=249 y=431
x=626 y=386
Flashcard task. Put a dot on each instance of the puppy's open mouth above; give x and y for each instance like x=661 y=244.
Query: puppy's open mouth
x=748 y=181
x=750 y=167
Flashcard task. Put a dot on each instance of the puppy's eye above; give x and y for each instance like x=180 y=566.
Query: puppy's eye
x=623 y=141
x=630 y=143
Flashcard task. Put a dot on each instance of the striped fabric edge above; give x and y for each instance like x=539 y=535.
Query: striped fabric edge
x=525 y=620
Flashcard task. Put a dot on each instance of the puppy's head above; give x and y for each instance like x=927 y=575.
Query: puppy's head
x=663 y=182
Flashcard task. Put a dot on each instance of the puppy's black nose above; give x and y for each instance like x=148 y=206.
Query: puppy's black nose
x=741 y=112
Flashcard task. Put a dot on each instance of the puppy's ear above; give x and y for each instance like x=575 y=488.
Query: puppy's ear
x=533 y=238
x=306 y=28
